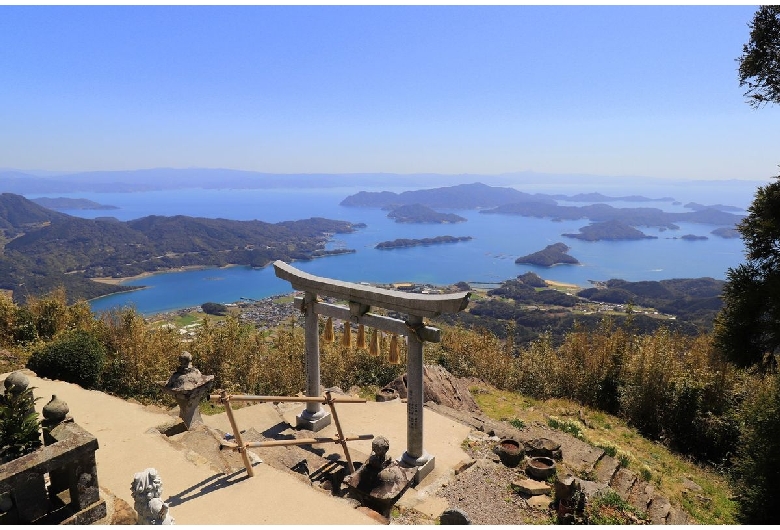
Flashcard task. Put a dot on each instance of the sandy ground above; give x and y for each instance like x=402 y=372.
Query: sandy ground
x=129 y=443
x=561 y=284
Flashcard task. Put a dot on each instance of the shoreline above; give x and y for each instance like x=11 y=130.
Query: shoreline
x=186 y=268
x=562 y=284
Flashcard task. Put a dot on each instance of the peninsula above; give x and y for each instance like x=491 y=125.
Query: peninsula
x=427 y=241
x=556 y=254
x=66 y=203
x=42 y=249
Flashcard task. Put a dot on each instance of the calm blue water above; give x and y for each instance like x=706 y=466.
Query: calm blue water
x=489 y=257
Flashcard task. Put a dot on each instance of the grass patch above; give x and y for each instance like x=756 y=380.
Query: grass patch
x=186 y=320
x=609 y=449
x=284 y=300
x=517 y=423
x=609 y=508
x=566 y=426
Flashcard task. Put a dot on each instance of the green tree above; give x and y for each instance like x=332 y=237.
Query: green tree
x=759 y=65
x=75 y=356
x=756 y=471
x=19 y=425
x=747 y=329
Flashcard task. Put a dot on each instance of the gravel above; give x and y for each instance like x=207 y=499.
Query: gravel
x=483 y=492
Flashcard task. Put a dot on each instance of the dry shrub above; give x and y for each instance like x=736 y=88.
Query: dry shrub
x=8 y=311
x=138 y=357
x=670 y=386
x=479 y=353
x=50 y=313
x=345 y=366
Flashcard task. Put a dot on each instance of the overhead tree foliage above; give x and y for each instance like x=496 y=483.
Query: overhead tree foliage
x=759 y=65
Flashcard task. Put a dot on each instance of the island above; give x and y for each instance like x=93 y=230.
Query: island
x=65 y=203
x=609 y=231
x=417 y=213
x=598 y=197
x=556 y=254
x=462 y=196
x=509 y=201
x=427 y=241
x=723 y=207
x=726 y=233
x=692 y=237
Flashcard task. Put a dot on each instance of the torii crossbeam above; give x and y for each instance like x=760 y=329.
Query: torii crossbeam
x=361 y=299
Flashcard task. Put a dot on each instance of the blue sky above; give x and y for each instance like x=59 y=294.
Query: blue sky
x=624 y=91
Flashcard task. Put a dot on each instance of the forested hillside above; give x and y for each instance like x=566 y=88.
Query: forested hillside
x=45 y=249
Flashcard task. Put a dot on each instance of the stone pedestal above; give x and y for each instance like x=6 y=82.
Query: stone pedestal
x=424 y=465
x=313 y=421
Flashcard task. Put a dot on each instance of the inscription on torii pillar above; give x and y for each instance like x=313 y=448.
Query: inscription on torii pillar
x=361 y=299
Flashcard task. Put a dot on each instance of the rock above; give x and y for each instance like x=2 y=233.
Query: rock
x=387 y=394
x=658 y=510
x=441 y=387
x=543 y=447
x=454 y=516
x=539 y=502
x=463 y=465
x=690 y=485
x=531 y=487
x=376 y=516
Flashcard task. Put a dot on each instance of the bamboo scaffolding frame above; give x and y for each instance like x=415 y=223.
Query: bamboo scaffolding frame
x=240 y=446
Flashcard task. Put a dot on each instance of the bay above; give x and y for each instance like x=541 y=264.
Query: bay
x=488 y=258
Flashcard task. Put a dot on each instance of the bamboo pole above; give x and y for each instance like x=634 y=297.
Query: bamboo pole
x=341 y=438
x=309 y=441
x=294 y=399
x=225 y=398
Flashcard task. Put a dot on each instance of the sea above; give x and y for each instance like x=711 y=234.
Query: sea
x=487 y=259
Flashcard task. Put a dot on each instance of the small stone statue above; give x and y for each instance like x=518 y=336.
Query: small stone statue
x=379 y=458
x=381 y=481
x=147 y=492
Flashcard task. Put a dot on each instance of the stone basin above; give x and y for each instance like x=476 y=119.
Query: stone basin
x=540 y=467
x=510 y=452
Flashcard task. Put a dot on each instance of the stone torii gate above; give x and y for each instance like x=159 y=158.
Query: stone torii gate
x=361 y=299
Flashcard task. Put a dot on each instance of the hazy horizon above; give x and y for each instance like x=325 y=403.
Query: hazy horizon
x=607 y=91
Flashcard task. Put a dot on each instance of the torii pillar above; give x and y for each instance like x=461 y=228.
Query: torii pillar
x=361 y=298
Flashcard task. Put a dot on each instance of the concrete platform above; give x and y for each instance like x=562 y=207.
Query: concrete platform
x=201 y=493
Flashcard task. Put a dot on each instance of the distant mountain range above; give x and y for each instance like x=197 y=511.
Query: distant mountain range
x=26 y=182
x=41 y=249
